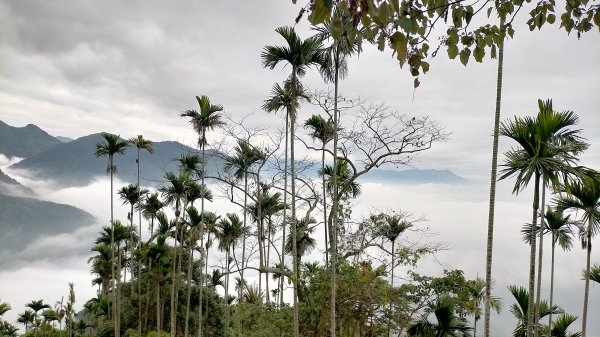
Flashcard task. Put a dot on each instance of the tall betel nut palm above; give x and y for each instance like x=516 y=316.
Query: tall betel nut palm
x=584 y=196
x=111 y=146
x=208 y=118
x=547 y=148
x=300 y=55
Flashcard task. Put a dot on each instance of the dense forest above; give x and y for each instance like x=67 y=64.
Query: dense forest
x=180 y=266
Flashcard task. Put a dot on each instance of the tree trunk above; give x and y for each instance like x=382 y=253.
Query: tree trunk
x=325 y=207
x=203 y=259
x=225 y=298
x=244 y=236
x=587 y=278
x=531 y=304
x=493 y=178
x=540 y=255
x=334 y=206
x=174 y=279
x=293 y=227
x=139 y=276
x=552 y=279
x=158 y=319
x=285 y=185
x=189 y=286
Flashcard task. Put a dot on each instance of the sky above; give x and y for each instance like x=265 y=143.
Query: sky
x=75 y=68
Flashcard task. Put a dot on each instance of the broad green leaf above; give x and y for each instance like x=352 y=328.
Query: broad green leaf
x=396 y=5
x=336 y=28
x=464 y=56
x=405 y=23
x=469 y=14
x=399 y=44
x=478 y=54
x=551 y=18
x=452 y=51
x=425 y=66
x=320 y=12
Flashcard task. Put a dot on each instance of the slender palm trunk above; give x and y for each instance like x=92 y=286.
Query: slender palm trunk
x=203 y=255
x=245 y=237
x=174 y=279
x=531 y=323
x=334 y=206
x=325 y=207
x=587 y=279
x=493 y=178
x=392 y=283
x=293 y=229
x=139 y=276
x=475 y=327
x=158 y=319
x=225 y=298
x=118 y=301
x=285 y=186
x=189 y=286
x=552 y=279
x=540 y=255
x=115 y=314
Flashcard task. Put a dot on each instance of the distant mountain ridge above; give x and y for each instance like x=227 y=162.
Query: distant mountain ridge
x=74 y=163
x=24 y=141
x=413 y=177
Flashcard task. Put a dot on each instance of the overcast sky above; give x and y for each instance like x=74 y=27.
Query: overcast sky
x=78 y=67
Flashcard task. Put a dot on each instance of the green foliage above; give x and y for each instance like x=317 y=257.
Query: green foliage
x=404 y=26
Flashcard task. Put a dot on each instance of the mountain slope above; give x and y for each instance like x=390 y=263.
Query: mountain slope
x=24 y=141
x=10 y=186
x=74 y=163
x=22 y=220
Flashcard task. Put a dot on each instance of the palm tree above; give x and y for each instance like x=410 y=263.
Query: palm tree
x=174 y=192
x=493 y=178
x=476 y=297
x=547 y=147
x=447 y=322
x=268 y=205
x=132 y=195
x=245 y=156
x=521 y=310
x=282 y=99
x=111 y=146
x=324 y=131
x=4 y=307
x=300 y=55
x=584 y=196
x=333 y=69
x=37 y=305
x=559 y=226
x=150 y=208
x=26 y=318
x=208 y=118
x=229 y=231
x=101 y=266
x=141 y=144
x=196 y=227
x=304 y=242
x=562 y=325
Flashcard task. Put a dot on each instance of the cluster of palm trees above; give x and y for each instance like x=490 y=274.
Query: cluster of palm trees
x=40 y=319
x=547 y=155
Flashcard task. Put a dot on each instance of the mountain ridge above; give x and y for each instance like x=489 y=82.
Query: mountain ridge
x=24 y=141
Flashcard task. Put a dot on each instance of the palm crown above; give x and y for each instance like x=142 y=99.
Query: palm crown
x=206 y=119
